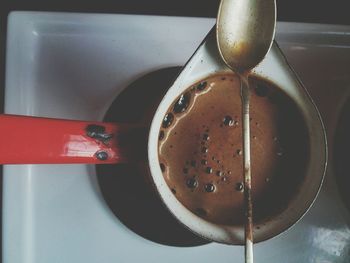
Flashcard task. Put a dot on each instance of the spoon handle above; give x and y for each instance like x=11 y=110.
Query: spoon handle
x=37 y=140
x=247 y=170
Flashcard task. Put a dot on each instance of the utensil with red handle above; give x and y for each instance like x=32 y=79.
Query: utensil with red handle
x=35 y=140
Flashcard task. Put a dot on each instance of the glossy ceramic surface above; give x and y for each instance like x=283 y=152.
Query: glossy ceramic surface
x=33 y=140
x=72 y=66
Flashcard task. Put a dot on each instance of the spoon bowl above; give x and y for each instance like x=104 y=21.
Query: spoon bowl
x=245 y=30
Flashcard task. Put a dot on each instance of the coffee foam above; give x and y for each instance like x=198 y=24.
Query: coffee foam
x=200 y=149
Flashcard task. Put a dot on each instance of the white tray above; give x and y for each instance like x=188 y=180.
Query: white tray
x=73 y=66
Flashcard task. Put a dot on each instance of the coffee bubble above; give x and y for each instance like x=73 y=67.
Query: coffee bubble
x=219 y=173
x=182 y=103
x=206 y=137
x=228 y=121
x=209 y=170
x=192 y=183
x=204 y=162
x=280 y=152
x=168 y=120
x=202 y=85
x=239 y=186
x=209 y=188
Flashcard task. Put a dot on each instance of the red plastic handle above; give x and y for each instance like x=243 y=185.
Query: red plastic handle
x=33 y=140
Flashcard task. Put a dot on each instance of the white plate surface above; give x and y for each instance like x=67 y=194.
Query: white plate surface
x=72 y=66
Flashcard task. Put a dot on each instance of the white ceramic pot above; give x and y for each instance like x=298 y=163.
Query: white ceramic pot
x=206 y=61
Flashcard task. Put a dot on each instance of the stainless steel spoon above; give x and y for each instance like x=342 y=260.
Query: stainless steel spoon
x=245 y=30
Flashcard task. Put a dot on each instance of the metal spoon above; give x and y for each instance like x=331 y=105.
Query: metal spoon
x=245 y=30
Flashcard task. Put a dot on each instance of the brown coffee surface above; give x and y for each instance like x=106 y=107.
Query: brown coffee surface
x=200 y=149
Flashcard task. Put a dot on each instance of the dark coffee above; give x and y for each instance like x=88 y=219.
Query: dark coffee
x=200 y=149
